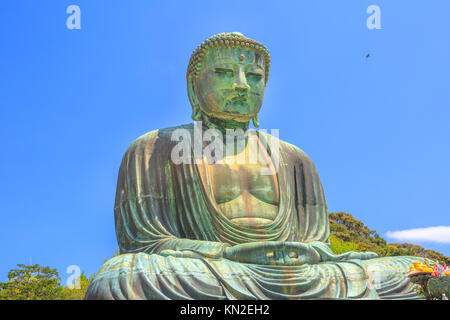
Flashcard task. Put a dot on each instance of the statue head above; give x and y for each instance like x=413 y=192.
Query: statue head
x=226 y=76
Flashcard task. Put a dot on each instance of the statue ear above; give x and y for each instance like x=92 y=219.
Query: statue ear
x=196 y=112
x=255 y=121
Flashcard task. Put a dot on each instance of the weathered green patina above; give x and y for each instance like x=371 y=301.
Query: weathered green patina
x=222 y=230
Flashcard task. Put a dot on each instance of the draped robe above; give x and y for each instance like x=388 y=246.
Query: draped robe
x=164 y=206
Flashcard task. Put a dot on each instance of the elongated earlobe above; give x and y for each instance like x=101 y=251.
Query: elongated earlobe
x=196 y=113
x=255 y=121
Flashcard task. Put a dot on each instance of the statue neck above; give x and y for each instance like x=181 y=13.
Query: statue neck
x=222 y=125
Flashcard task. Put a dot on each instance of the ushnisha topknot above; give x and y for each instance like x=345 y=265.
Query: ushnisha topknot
x=227 y=39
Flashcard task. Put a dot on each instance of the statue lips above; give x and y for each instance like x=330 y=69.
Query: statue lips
x=239 y=99
x=238 y=104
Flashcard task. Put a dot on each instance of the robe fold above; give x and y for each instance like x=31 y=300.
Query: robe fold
x=163 y=207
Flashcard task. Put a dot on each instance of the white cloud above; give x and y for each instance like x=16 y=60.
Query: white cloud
x=440 y=234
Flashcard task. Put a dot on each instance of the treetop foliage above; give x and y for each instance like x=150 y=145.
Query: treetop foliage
x=40 y=283
x=31 y=283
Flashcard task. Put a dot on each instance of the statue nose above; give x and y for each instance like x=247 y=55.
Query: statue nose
x=241 y=85
x=241 y=88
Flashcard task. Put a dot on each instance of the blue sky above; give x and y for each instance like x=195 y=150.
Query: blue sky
x=72 y=101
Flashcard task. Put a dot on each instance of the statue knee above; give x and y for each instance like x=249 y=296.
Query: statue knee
x=153 y=276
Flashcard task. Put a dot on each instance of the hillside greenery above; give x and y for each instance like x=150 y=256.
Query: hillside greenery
x=350 y=234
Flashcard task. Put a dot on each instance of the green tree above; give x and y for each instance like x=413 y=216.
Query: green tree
x=82 y=283
x=31 y=283
x=339 y=246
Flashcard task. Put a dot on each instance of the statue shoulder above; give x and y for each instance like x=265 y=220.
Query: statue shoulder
x=297 y=152
x=157 y=140
x=288 y=150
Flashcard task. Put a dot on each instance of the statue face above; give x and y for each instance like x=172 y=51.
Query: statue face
x=231 y=83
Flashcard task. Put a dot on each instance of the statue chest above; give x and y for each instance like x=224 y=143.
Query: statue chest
x=247 y=193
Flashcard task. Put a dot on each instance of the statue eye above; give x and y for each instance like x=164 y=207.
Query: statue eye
x=254 y=75
x=223 y=71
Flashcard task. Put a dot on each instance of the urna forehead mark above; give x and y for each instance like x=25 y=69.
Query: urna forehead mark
x=236 y=55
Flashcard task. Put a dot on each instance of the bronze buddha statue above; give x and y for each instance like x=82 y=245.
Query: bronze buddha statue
x=214 y=227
